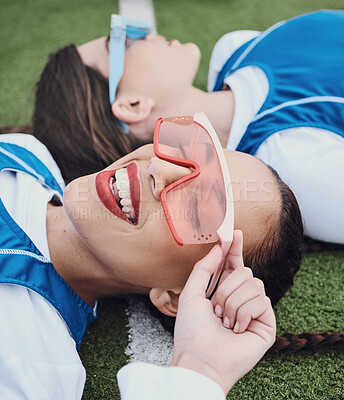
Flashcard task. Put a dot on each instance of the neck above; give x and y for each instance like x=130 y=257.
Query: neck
x=76 y=264
x=217 y=106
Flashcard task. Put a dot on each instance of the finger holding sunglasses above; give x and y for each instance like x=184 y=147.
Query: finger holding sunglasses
x=234 y=266
x=240 y=298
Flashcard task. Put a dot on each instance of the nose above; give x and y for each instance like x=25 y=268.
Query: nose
x=163 y=173
x=151 y=36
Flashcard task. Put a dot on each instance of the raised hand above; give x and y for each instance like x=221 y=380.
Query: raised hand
x=226 y=345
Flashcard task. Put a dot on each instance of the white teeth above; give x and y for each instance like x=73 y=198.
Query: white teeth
x=129 y=212
x=123 y=186
x=126 y=202
x=124 y=194
x=121 y=173
x=111 y=185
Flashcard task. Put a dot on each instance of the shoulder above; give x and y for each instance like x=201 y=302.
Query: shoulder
x=233 y=40
x=224 y=48
x=33 y=145
x=318 y=154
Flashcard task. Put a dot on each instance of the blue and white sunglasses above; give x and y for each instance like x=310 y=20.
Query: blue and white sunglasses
x=121 y=29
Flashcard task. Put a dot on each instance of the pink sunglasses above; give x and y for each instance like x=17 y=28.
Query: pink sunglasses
x=198 y=207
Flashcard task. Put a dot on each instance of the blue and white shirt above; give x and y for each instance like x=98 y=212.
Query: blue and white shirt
x=308 y=152
x=30 y=365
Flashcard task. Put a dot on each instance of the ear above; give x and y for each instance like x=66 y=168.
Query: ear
x=132 y=109
x=165 y=300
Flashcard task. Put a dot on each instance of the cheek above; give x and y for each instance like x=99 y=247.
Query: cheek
x=75 y=199
x=170 y=267
x=179 y=263
x=81 y=202
x=153 y=260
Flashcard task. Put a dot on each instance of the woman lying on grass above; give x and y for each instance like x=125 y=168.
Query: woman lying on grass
x=271 y=94
x=120 y=231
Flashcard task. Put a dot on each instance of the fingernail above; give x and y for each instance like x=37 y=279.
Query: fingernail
x=236 y=328
x=218 y=311
x=226 y=322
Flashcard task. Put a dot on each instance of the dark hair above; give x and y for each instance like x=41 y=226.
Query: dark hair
x=278 y=264
x=307 y=341
x=15 y=129
x=73 y=117
x=278 y=257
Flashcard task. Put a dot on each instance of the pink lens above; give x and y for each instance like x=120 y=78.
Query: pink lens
x=196 y=208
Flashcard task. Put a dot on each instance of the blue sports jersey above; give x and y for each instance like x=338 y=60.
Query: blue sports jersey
x=303 y=59
x=21 y=263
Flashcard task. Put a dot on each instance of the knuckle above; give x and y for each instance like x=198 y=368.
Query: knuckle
x=248 y=272
x=242 y=313
x=231 y=307
x=220 y=295
x=259 y=284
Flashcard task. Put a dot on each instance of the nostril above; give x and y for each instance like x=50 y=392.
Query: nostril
x=155 y=187
x=152 y=182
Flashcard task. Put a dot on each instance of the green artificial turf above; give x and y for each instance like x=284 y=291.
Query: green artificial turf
x=314 y=304
x=29 y=31
x=102 y=350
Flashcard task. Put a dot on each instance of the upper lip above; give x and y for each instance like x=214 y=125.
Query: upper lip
x=106 y=197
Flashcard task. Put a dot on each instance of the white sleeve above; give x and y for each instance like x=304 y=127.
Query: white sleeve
x=146 y=381
x=36 y=147
x=223 y=49
x=38 y=358
x=311 y=162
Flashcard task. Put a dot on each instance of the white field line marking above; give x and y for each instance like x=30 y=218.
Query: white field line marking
x=148 y=340
x=142 y=10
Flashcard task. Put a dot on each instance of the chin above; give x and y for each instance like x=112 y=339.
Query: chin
x=195 y=51
x=195 y=57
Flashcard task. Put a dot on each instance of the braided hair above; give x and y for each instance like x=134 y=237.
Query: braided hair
x=307 y=341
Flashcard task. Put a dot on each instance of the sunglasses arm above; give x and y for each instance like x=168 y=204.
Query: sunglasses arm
x=225 y=246
x=216 y=275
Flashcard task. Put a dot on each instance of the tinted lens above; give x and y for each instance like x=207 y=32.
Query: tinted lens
x=196 y=207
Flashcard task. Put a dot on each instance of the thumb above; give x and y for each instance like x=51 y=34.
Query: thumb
x=199 y=278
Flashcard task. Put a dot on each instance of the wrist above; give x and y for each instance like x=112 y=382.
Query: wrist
x=199 y=365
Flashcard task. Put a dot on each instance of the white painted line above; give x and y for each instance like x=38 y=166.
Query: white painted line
x=148 y=340
x=142 y=10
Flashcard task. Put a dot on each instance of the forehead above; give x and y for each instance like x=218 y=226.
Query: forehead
x=256 y=195
x=95 y=54
x=250 y=173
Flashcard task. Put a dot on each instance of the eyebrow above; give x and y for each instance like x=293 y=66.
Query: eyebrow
x=196 y=222
x=181 y=148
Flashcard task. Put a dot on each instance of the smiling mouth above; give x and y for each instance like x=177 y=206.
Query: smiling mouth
x=119 y=191
x=120 y=188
